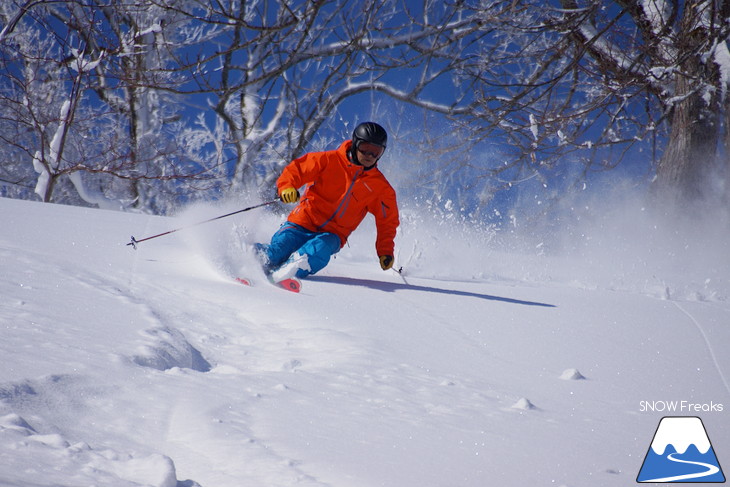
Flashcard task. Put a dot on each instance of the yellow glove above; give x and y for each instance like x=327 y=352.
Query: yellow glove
x=289 y=195
x=386 y=262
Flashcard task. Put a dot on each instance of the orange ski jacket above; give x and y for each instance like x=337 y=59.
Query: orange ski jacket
x=339 y=194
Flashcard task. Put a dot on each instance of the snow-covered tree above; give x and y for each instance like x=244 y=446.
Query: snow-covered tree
x=132 y=77
x=38 y=106
x=592 y=83
x=224 y=93
x=274 y=71
x=676 y=55
x=78 y=108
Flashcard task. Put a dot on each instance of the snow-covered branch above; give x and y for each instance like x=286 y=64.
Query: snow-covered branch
x=13 y=21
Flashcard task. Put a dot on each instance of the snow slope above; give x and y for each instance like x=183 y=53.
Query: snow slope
x=152 y=368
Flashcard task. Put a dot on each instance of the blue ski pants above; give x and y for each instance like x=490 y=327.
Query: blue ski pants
x=290 y=238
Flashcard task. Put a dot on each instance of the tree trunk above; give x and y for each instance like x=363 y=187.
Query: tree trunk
x=691 y=151
x=686 y=167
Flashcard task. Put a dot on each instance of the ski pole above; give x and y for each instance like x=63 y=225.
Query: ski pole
x=399 y=271
x=134 y=241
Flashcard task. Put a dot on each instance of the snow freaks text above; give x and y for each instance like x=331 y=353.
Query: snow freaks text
x=682 y=407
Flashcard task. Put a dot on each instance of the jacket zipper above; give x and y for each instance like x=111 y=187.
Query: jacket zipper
x=345 y=198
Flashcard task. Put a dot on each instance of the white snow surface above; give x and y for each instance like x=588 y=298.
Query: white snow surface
x=151 y=367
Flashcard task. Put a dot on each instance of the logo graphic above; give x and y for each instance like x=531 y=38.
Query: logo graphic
x=681 y=452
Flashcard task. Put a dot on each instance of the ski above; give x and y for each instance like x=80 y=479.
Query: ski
x=291 y=284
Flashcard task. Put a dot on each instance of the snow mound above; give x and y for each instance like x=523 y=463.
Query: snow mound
x=524 y=404
x=572 y=374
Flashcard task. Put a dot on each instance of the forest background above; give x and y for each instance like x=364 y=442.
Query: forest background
x=497 y=111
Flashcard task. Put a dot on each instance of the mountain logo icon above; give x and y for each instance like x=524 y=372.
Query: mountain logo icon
x=680 y=452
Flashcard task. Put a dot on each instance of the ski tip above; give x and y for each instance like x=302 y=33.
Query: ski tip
x=292 y=284
x=243 y=280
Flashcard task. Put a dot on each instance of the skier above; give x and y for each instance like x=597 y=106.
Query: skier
x=342 y=186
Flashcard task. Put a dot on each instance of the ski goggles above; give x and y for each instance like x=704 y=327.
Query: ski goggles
x=370 y=150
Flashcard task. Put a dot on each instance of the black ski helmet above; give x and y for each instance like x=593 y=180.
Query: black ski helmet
x=369 y=132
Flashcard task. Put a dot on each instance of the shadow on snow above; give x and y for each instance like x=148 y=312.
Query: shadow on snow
x=395 y=286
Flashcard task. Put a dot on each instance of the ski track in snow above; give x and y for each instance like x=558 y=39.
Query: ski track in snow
x=708 y=344
x=141 y=368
